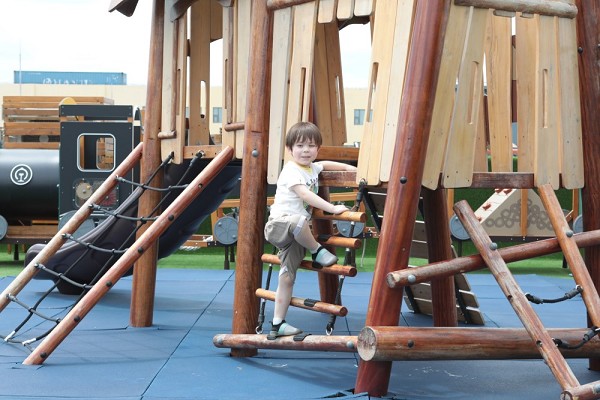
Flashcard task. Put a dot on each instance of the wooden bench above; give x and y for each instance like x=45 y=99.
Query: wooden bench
x=33 y=122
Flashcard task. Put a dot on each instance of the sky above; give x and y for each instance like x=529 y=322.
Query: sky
x=82 y=36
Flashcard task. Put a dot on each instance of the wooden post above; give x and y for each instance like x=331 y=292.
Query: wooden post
x=588 y=31
x=405 y=179
x=439 y=249
x=144 y=273
x=395 y=343
x=253 y=191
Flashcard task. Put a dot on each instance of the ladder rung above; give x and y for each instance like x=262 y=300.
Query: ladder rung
x=307 y=304
x=335 y=269
x=352 y=216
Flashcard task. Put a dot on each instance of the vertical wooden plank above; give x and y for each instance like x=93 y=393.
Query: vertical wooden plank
x=380 y=70
x=546 y=105
x=175 y=118
x=571 y=157
x=498 y=57
x=200 y=36
x=169 y=79
x=242 y=49
x=228 y=137
x=322 y=105
x=345 y=9
x=280 y=74
x=480 y=164
x=327 y=11
x=525 y=49
x=363 y=7
x=400 y=49
x=445 y=94
x=301 y=68
x=216 y=20
x=335 y=85
x=460 y=153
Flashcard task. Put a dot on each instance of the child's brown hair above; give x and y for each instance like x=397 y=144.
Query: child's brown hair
x=303 y=131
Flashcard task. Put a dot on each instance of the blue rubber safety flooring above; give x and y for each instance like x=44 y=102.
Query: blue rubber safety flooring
x=175 y=359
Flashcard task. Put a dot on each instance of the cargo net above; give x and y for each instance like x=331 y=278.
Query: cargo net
x=40 y=320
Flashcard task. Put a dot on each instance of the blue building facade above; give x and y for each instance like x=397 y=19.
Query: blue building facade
x=70 y=78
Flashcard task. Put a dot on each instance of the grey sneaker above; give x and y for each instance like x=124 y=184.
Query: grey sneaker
x=324 y=258
x=283 y=329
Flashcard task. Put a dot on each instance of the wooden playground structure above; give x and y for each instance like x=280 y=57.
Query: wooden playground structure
x=431 y=125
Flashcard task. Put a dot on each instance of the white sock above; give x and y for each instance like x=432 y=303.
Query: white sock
x=277 y=321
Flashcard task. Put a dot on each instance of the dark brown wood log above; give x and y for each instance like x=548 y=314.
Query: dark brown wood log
x=574 y=259
x=532 y=323
x=318 y=306
x=335 y=269
x=144 y=274
x=108 y=280
x=338 y=179
x=394 y=343
x=405 y=179
x=561 y=9
x=338 y=153
x=345 y=344
x=253 y=189
x=588 y=32
x=25 y=276
x=439 y=248
x=425 y=273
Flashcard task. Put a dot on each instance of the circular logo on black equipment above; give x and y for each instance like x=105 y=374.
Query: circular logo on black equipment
x=21 y=174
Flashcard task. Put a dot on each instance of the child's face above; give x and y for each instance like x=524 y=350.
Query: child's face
x=304 y=152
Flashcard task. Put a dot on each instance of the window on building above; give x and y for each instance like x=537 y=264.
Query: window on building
x=359 y=116
x=217 y=114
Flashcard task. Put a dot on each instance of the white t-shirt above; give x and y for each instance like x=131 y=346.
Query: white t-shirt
x=287 y=201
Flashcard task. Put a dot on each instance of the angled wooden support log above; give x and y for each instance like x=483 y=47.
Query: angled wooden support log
x=345 y=344
x=532 y=323
x=335 y=269
x=307 y=304
x=425 y=273
x=148 y=238
x=561 y=9
x=396 y=343
x=71 y=226
x=564 y=235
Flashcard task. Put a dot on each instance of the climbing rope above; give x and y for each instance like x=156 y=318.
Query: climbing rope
x=569 y=295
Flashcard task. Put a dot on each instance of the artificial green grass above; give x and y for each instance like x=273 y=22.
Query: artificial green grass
x=214 y=258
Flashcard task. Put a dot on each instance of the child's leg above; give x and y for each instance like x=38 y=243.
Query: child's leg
x=305 y=238
x=283 y=295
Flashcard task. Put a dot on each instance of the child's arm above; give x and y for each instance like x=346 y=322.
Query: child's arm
x=317 y=202
x=336 y=166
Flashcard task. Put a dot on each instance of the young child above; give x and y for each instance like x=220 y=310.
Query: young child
x=288 y=225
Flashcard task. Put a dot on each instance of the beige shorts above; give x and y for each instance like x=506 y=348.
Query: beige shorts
x=280 y=233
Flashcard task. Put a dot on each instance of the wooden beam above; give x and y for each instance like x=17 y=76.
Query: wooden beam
x=395 y=343
x=563 y=9
x=345 y=344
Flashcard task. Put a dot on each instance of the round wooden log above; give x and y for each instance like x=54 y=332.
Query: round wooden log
x=234 y=126
x=588 y=391
x=552 y=8
x=335 y=269
x=345 y=344
x=279 y=4
x=352 y=216
x=338 y=241
x=319 y=306
x=400 y=278
x=394 y=343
